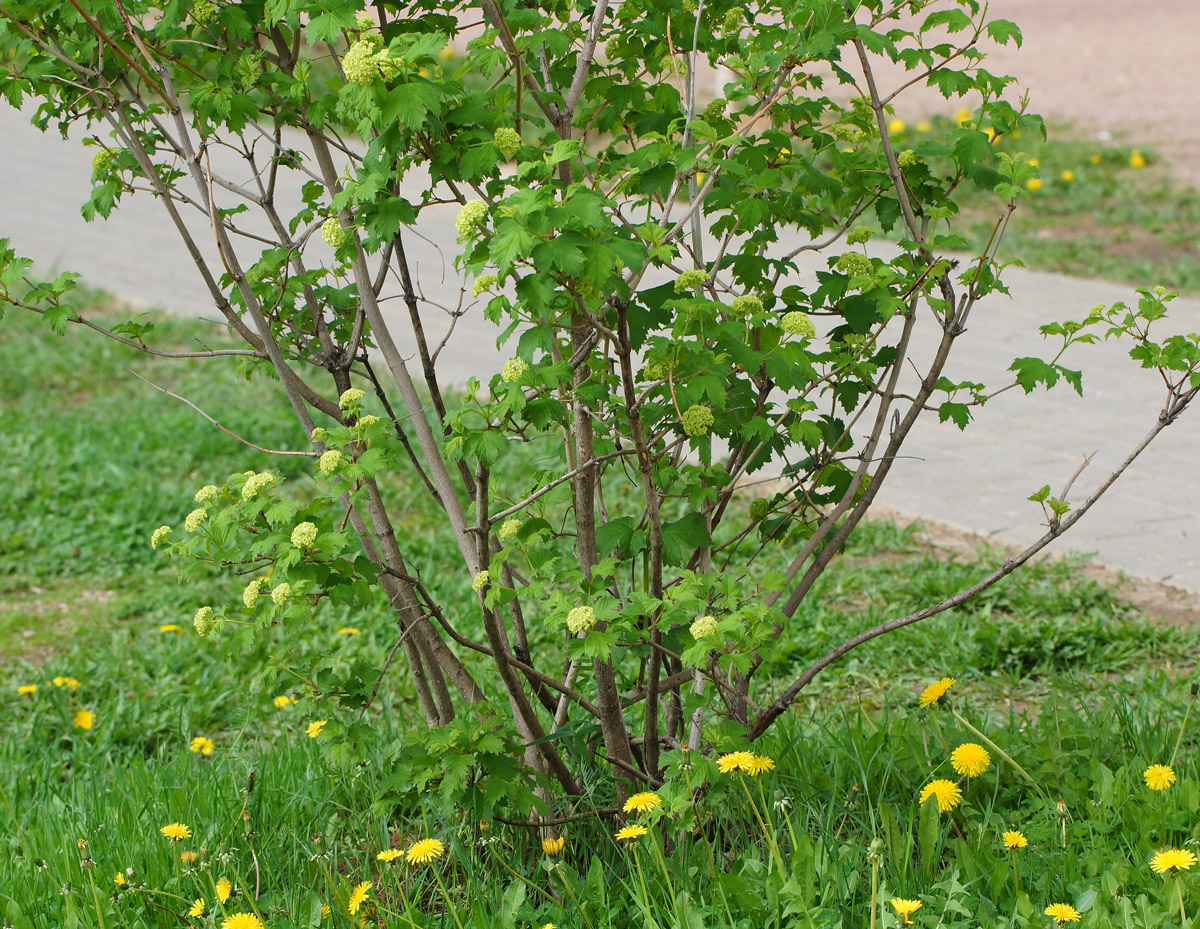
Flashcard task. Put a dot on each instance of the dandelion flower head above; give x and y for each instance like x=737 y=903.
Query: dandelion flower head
x=425 y=850
x=84 y=719
x=26 y=690
x=1014 y=839
x=282 y=702
x=759 y=764
x=349 y=630
x=642 y=802
x=1173 y=860
x=905 y=908
x=314 y=728
x=197 y=907
x=946 y=792
x=358 y=896
x=1159 y=776
x=170 y=627
x=552 y=845
x=176 y=831
x=935 y=691
x=630 y=832
x=242 y=921
x=389 y=855
x=1062 y=913
x=970 y=759
x=735 y=761
x=201 y=746
x=69 y=682
x=224 y=889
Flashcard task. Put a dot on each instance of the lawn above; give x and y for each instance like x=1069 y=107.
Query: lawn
x=1069 y=691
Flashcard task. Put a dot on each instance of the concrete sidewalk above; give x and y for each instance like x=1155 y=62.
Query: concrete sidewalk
x=977 y=481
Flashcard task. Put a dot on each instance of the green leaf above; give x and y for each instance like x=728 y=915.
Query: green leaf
x=684 y=536
x=1001 y=31
x=409 y=104
x=959 y=412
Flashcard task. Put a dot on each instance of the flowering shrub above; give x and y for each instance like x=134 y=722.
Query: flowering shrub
x=615 y=599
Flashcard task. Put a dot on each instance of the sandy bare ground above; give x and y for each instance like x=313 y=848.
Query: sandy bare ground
x=1130 y=68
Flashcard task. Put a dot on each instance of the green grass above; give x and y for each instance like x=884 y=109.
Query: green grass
x=1076 y=686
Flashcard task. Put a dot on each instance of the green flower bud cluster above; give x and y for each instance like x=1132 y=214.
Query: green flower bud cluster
x=798 y=324
x=333 y=233
x=704 y=627
x=746 y=306
x=759 y=508
x=514 y=369
x=194 y=519
x=481 y=580
x=319 y=433
x=159 y=536
x=364 y=21
x=732 y=20
x=690 y=279
x=483 y=284
x=581 y=619
x=256 y=483
x=697 y=420
x=366 y=422
x=102 y=161
x=844 y=133
x=509 y=529
x=507 y=140
x=715 y=110
x=469 y=217
x=304 y=535
x=250 y=594
x=204 y=621
x=350 y=397
x=907 y=158
x=280 y=593
x=860 y=234
x=1160 y=291
x=328 y=462
x=361 y=63
x=203 y=12
x=654 y=371
x=207 y=493
x=854 y=264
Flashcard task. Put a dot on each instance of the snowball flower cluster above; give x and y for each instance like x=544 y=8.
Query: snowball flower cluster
x=509 y=528
x=280 y=593
x=704 y=627
x=481 y=580
x=333 y=233
x=194 y=519
x=514 y=369
x=581 y=619
x=304 y=535
x=689 y=280
x=159 y=536
x=798 y=324
x=759 y=508
x=329 y=461
x=860 y=234
x=250 y=594
x=203 y=12
x=350 y=396
x=745 y=306
x=256 y=483
x=366 y=422
x=853 y=264
x=508 y=141
x=483 y=284
x=361 y=63
x=204 y=621
x=470 y=215
x=102 y=161
x=207 y=493
x=697 y=420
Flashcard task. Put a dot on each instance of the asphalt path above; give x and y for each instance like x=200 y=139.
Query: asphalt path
x=977 y=480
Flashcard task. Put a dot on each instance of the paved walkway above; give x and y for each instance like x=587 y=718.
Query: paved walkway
x=976 y=481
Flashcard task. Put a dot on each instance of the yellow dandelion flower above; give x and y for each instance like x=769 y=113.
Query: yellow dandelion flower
x=358 y=896
x=119 y=880
x=552 y=845
x=1137 y=159
x=425 y=850
x=895 y=126
x=1014 y=839
x=1173 y=860
x=935 y=691
x=69 y=682
x=1067 y=176
x=188 y=857
x=176 y=831
x=549 y=926
x=905 y=909
x=734 y=761
x=1033 y=162
x=282 y=702
x=1159 y=776
x=1062 y=913
x=1034 y=183
x=924 y=126
x=389 y=855
x=759 y=764
x=26 y=690
x=630 y=832
x=201 y=746
x=348 y=630
x=946 y=792
x=970 y=759
x=1095 y=159
x=224 y=889
x=325 y=910
x=197 y=907
x=84 y=719
x=642 y=803
x=314 y=728
x=170 y=627
x=242 y=921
